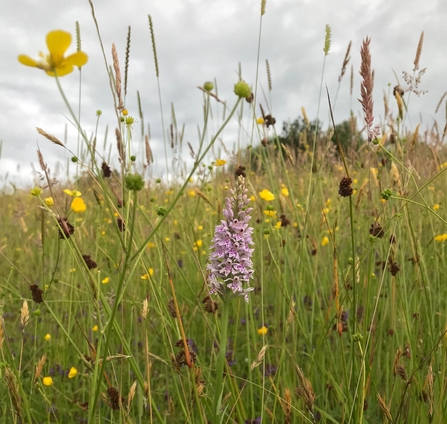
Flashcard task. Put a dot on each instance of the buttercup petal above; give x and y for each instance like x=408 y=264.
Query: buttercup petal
x=26 y=60
x=58 y=42
x=61 y=70
x=76 y=59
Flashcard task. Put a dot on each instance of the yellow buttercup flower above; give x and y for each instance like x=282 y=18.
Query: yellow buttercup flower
x=441 y=238
x=73 y=193
x=47 y=337
x=270 y=212
x=285 y=191
x=47 y=381
x=263 y=330
x=436 y=207
x=220 y=162
x=325 y=241
x=49 y=201
x=55 y=63
x=95 y=328
x=267 y=195
x=106 y=280
x=260 y=121
x=73 y=372
x=78 y=205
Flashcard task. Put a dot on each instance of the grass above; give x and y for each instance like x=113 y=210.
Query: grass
x=106 y=315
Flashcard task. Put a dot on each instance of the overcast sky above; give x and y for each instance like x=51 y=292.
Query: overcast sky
x=200 y=40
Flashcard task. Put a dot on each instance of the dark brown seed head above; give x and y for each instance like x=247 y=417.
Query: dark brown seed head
x=210 y=305
x=376 y=230
x=345 y=189
x=91 y=264
x=106 y=171
x=171 y=308
x=240 y=171
x=36 y=293
x=66 y=229
x=114 y=398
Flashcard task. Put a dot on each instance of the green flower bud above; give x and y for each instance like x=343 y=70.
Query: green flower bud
x=208 y=86
x=133 y=158
x=161 y=211
x=242 y=89
x=386 y=194
x=134 y=182
x=98 y=112
x=74 y=159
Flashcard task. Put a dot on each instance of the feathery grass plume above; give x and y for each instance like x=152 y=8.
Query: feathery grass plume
x=351 y=84
x=202 y=195
x=429 y=390
x=39 y=367
x=116 y=67
x=269 y=74
x=119 y=145
x=305 y=391
x=131 y=395
x=50 y=137
x=400 y=104
x=306 y=119
x=140 y=113
x=418 y=52
x=13 y=387
x=345 y=62
x=42 y=163
x=327 y=40
x=286 y=405
x=145 y=308
x=24 y=314
x=126 y=61
x=263 y=4
x=154 y=47
x=366 y=89
x=288 y=154
x=384 y=408
x=148 y=151
x=259 y=358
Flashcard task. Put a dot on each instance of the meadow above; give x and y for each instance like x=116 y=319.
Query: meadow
x=116 y=305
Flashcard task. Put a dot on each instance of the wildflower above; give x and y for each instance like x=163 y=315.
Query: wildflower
x=285 y=191
x=220 y=162
x=36 y=191
x=441 y=238
x=267 y=195
x=199 y=243
x=95 y=328
x=200 y=228
x=436 y=207
x=324 y=241
x=230 y=262
x=49 y=201
x=191 y=193
x=47 y=381
x=252 y=198
x=269 y=212
x=278 y=225
x=73 y=372
x=260 y=121
x=106 y=280
x=55 y=63
x=78 y=205
x=151 y=245
x=47 y=337
x=134 y=182
x=146 y=276
x=263 y=330
x=73 y=193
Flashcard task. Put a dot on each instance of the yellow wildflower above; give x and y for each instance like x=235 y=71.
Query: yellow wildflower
x=49 y=201
x=199 y=243
x=73 y=193
x=263 y=330
x=324 y=241
x=47 y=381
x=436 y=207
x=260 y=121
x=35 y=191
x=73 y=372
x=252 y=198
x=95 y=328
x=150 y=273
x=55 y=63
x=200 y=228
x=278 y=225
x=441 y=237
x=220 y=162
x=167 y=239
x=78 y=205
x=125 y=112
x=151 y=245
x=106 y=280
x=270 y=212
x=47 y=337
x=267 y=195
x=285 y=191
x=191 y=193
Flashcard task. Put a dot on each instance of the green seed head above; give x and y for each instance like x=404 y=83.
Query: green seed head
x=242 y=89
